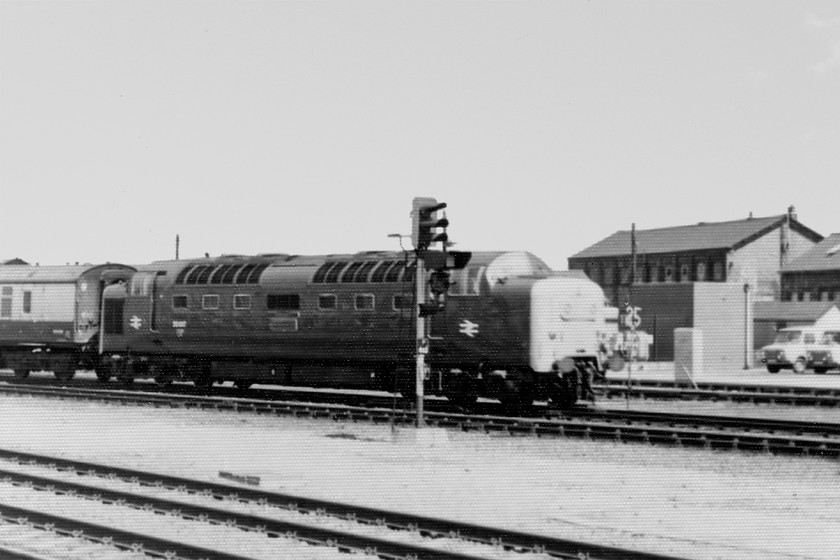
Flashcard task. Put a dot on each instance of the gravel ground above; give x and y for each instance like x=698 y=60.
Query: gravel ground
x=691 y=503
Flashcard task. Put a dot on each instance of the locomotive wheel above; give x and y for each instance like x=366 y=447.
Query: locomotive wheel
x=163 y=380
x=126 y=380
x=243 y=384
x=203 y=382
x=518 y=398
x=64 y=374
x=21 y=373
x=461 y=391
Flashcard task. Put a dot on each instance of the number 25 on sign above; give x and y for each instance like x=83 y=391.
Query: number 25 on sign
x=632 y=318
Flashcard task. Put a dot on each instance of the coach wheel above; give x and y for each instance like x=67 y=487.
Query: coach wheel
x=242 y=384
x=64 y=374
x=799 y=366
x=773 y=369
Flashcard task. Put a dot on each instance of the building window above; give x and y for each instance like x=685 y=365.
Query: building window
x=327 y=301
x=209 y=301
x=242 y=301
x=180 y=302
x=402 y=301
x=717 y=271
x=608 y=275
x=6 y=302
x=669 y=274
x=27 y=302
x=286 y=302
x=364 y=302
x=700 y=275
x=685 y=273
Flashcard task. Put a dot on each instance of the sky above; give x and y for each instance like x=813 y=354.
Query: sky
x=308 y=127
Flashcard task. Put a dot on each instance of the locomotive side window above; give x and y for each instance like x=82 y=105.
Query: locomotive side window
x=204 y=275
x=192 y=277
x=350 y=271
x=254 y=277
x=364 y=271
x=408 y=276
x=402 y=301
x=183 y=274
x=243 y=273
x=209 y=301
x=394 y=272
x=321 y=273
x=283 y=301
x=217 y=275
x=180 y=302
x=230 y=273
x=332 y=275
x=327 y=301
x=379 y=274
x=242 y=301
x=364 y=302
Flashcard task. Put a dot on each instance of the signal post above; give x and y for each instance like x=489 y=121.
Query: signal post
x=424 y=222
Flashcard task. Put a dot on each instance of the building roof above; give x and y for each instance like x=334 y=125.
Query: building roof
x=791 y=310
x=825 y=255
x=697 y=237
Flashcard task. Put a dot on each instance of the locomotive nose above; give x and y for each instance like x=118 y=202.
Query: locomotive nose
x=566 y=315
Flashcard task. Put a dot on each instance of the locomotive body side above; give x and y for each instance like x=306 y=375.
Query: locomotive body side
x=347 y=321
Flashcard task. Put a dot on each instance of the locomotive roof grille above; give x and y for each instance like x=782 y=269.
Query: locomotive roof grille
x=221 y=274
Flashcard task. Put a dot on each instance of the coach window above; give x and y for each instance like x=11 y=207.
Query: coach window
x=283 y=302
x=364 y=271
x=364 y=302
x=6 y=302
x=27 y=302
x=180 y=302
x=327 y=301
x=332 y=275
x=209 y=301
x=379 y=274
x=402 y=301
x=242 y=301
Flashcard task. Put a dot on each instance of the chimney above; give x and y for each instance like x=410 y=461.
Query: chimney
x=792 y=212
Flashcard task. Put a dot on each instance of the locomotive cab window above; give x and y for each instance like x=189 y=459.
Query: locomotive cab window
x=209 y=301
x=242 y=301
x=327 y=301
x=363 y=302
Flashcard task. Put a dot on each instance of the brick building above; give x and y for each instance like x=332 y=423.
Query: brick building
x=814 y=275
x=750 y=251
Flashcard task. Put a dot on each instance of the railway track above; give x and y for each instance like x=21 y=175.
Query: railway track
x=373 y=532
x=732 y=392
x=687 y=430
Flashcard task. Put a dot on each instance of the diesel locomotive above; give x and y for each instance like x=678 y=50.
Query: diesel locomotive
x=511 y=328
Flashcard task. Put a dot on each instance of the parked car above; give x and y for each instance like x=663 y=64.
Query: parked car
x=826 y=354
x=791 y=349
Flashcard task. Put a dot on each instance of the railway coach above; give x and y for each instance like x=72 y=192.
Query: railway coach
x=511 y=328
x=49 y=317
